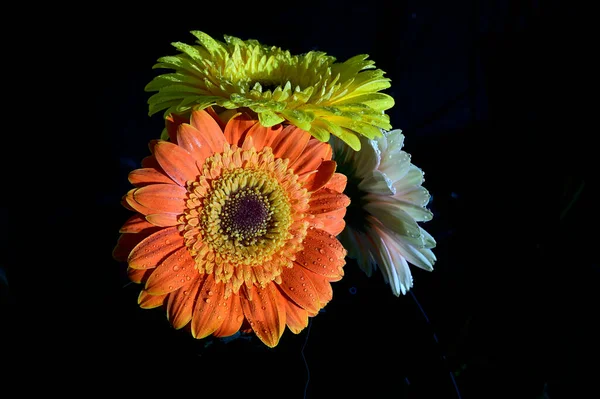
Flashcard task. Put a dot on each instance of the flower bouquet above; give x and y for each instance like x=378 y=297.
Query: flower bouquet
x=271 y=170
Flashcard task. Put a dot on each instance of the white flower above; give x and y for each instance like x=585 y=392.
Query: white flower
x=387 y=202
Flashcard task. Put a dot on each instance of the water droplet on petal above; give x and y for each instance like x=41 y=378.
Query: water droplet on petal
x=167 y=242
x=263 y=307
x=175 y=268
x=170 y=287
x=207 y=300
x=292 y=288
x=210 y=293
x=188 y=278
x=321 y=250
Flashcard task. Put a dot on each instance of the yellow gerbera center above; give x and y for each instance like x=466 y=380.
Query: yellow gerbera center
x=246 y=217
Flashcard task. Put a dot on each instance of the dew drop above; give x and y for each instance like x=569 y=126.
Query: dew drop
x=331 y=259
x=170 y=287
x=305 y=290
x=263 y=307
x=304 y=284
x=188 y=278
x=319 y=259
x=321 y=250
x=167 y=242
x=186 y=293
x=219 y=317
x=210 y=293
x=183 y=280
x=292 y=288
x=331 y=245
x=207 y=300
x=175 y=268
x=301 y=277
x=240 y=318
x=314 y=262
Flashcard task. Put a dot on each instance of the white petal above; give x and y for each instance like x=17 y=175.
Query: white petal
x=428 y=240
x=418 y=213
x=414 y=177
x=392 y=215
x=395 y=165
x=377 y=183
x=393 y=264
x=417 y=195
x=420 y=257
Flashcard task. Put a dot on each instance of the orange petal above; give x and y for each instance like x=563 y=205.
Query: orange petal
x=191 y=140
x=130 y=203
x=209 y=129
x=144 y=176
x=326 y=200
x=216 y=117
x=147 y=301
x=177 y=270
x=162 y=198
x=181 y=303
x=322 y=286
x=325 y=172
x=265 y=313
x=337 y=182
x=138 y=275
x=332 y=222
x=154 y=248
x=315 y=152
x=236 y=128
x=135 y=224
x=290 y=143
x=163 y=219
x=322 y=254
x=177 y=163
x=296 y=318
x=209 y=312
x=128 y=241
x=263 y=136
x=233 y=321
x=296 y=285
x=151 y=162
x=172 y=122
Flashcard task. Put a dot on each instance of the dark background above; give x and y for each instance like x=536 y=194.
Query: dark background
x=483 y=97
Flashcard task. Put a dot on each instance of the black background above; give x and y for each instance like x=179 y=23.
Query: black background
x=508 y=312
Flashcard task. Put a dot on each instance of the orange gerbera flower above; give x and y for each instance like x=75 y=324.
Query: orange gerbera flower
x=235 y=226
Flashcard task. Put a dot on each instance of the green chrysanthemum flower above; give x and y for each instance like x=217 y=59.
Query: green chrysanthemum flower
x=311 y=90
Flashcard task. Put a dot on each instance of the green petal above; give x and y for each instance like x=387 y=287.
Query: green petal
x=377 y=101
x=269 y=118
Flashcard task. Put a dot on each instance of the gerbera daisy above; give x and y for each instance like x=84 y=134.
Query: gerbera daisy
x=235 y=226
x=388 y=201
x=310 y=91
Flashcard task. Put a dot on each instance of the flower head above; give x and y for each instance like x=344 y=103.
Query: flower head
x=235 y=226
x=388 y=201
x=310 y=91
